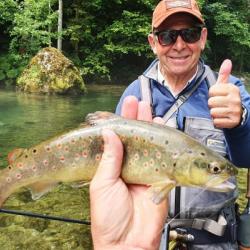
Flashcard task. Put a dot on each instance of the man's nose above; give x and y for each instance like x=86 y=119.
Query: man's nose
x=179 y=44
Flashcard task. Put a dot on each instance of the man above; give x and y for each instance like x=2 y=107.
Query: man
x=185 y=93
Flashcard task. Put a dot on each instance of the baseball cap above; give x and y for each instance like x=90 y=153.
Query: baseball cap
x=166 y=8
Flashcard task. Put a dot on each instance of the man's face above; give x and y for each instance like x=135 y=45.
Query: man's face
x=180 y=58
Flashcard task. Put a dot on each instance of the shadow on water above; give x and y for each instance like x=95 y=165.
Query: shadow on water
x=26 y=120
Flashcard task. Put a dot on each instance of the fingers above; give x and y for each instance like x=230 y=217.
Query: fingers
x=130 y=107
x=225 y=100
x=133 y=109
x=159 y=120
x=224 y=72
x=144 y=112
x=111 y=162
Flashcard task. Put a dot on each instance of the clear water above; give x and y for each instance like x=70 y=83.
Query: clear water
x=26 y=120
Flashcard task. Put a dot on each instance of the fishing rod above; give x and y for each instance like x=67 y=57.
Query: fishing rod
x=43 y=216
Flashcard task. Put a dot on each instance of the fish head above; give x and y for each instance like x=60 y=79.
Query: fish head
x=210 y=173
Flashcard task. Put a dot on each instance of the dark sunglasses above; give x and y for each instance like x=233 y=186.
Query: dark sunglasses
x=167 y=37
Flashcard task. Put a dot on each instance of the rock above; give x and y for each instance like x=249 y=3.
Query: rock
x=51 y=72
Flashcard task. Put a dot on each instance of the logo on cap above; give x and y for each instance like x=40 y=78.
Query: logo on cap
x=175 y=4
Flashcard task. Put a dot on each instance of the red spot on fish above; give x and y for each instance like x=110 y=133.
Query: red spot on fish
x=158 y=155
x=98 y=157
x=62 y=159
x=45 y=163
x=18 y=176
x=145 y=152
x=85 y=154
x=102 y=148
x=19 y=165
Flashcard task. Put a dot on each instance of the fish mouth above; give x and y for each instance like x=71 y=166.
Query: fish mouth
x=225 y=186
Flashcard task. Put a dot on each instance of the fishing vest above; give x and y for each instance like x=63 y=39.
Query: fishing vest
x=208 y=213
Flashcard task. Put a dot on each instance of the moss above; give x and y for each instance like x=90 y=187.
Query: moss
x=19 y=232
x=51 y=72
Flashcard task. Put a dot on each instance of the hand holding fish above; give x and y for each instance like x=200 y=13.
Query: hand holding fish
x=122 y=216
x=225 y=102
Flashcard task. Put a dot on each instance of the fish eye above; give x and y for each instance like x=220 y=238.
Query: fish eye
x=214 y=168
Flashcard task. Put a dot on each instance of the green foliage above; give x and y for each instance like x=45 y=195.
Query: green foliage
x=105 y=36
x=11 y=65
x=229 y=26
x=7 y=9
x=31 y=26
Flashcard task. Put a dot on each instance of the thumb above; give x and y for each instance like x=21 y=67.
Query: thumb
x=111 y=162
x=225 y=71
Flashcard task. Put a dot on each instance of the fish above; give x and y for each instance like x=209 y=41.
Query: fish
x=155 y=155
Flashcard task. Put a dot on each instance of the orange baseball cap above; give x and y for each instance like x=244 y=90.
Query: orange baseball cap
x=166 y=8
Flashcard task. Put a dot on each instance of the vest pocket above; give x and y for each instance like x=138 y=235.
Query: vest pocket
x=203 y=130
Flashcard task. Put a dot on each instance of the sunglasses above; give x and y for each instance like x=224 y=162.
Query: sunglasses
x=167 y=37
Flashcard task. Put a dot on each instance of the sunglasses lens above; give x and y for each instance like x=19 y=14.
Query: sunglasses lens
x=167 y=37
x=191 y=35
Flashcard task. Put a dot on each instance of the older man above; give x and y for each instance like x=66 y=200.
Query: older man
x=213 y=108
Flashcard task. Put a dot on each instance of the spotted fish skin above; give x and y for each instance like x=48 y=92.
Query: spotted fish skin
x=154 y=155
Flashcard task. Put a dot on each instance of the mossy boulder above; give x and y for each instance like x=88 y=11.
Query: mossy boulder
x=51 y=72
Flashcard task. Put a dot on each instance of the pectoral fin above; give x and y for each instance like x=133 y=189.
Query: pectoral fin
x=159 y=191
x=80 y=184
x=39 y=189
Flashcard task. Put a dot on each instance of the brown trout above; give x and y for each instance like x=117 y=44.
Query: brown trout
x=154 y=155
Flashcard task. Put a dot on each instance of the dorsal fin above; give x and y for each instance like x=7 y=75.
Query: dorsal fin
x=99 y=117
x=14 y=154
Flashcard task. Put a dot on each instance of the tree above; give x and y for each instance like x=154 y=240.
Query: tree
x=60 y=21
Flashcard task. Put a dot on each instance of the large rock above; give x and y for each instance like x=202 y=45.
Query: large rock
x=51 y=72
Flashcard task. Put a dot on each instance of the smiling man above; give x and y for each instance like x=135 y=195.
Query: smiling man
x=184 y=93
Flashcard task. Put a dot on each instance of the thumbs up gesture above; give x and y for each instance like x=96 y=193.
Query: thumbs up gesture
x=224 y=100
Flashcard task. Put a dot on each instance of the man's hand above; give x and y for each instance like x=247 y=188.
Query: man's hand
x=133 y=109
x=224 y=100
x=122 y=216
